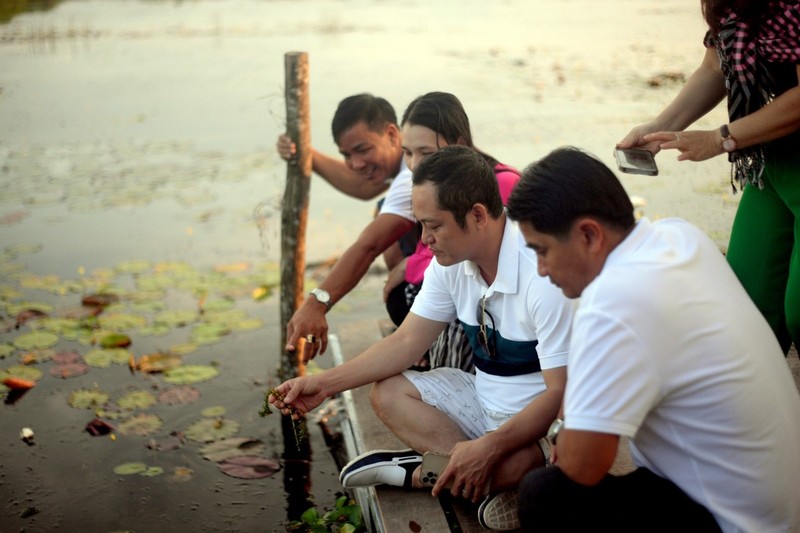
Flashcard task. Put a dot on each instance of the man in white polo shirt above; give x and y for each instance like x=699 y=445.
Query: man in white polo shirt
x=668 y=350
x=517 y=322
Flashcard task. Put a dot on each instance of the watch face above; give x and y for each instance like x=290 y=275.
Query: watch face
x=729 y=145
x=321 y=295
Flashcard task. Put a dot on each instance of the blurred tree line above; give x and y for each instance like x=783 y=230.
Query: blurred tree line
x=10 y=8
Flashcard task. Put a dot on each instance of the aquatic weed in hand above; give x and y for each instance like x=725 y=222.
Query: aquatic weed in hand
x=299 y=428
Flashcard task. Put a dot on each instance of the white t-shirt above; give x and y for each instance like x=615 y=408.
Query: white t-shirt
x=398 y=199
x=532 y=321
x=668 y=349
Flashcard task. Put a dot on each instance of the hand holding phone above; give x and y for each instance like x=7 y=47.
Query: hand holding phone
x=433 y=464
x=636 y=161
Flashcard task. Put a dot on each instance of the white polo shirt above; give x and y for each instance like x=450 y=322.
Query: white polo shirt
x=668 y=349
x=398 y=198
x=531 y=317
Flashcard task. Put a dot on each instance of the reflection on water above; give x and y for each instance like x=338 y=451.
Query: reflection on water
x=92 y=205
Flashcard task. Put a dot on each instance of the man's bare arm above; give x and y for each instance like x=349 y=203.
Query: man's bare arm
x=383 y=231
x=336 y=172
x=586 y=456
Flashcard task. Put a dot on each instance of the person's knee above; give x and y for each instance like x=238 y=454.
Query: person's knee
x=384 y=395
x=540 y=498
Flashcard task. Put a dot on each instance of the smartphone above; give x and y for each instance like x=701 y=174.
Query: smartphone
x=432 y=465
x=636 y=161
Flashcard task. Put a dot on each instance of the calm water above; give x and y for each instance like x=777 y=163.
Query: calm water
x=144 y=130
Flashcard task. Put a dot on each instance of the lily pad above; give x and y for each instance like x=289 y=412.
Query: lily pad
x=29 y=314
x=88 y=398
x=6 y=350
x=249 y=467
x=249 y=324
x=141 y=424
x=222 y=304
x=36 y=340
x=158 y=362
x=69 y=370
x=226 y=448
x=154 y=330
x=105 y=357
x=122 y=321
x=176 y=319
x=67 y=358
x=153 y=471
x=33 y=357
x=16 y=308
x=174 y=441
x=138 y=399
x=213 y=412
x=184 y=348
x=128 y=469
x=209 y=333
x=177 y=395
x=21 y=372
x=115 y=340
x=189 y=374
x=209 y=430
x=69 y=328
x=99 y=300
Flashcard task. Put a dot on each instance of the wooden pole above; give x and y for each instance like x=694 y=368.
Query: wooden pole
x=294 y=211
x=294 y=219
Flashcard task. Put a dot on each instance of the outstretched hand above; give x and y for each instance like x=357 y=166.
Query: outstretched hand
x=637 y=138
x=695 y=145
x=297 y=396
x=308 y=331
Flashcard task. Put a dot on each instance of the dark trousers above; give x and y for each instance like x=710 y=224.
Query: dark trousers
x=640 y=501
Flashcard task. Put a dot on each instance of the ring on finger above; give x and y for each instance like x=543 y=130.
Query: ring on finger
x=311 y=338
x=677 y=137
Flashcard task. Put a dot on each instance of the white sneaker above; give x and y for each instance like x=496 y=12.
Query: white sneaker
x=499 y=511
x=381 y=467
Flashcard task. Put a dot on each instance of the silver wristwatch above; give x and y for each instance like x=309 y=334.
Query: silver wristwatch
x=322 y=297
x=555 y=427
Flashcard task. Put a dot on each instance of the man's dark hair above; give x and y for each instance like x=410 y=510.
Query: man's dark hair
x=566 y=185
x=374 y=111
x=462 y=178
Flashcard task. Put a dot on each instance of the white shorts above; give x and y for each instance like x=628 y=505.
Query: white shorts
x=452 y=391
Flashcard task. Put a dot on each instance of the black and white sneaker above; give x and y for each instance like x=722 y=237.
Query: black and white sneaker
x=498 y=512
x=381 y=467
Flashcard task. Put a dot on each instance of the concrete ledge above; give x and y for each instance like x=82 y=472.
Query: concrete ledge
x=386 y=509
